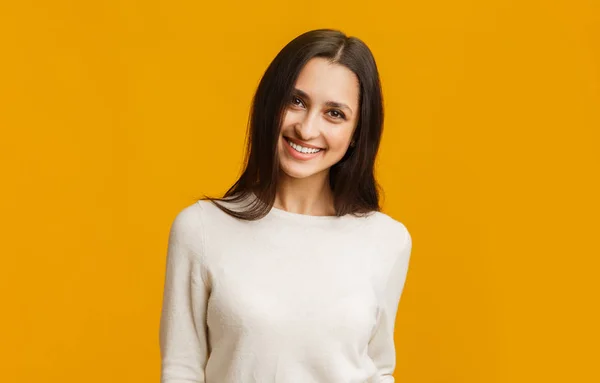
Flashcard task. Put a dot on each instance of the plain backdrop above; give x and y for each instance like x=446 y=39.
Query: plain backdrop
x=114 y=115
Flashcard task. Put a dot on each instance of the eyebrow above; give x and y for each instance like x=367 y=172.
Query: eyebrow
x=333 y=104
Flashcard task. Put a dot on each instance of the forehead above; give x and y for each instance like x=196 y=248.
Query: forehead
x=324 y=81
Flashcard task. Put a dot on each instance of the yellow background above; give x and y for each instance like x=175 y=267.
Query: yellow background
x=114 y=115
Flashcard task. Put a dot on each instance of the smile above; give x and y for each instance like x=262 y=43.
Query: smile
x=300 y=152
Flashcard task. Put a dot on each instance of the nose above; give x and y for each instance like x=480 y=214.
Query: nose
x=307 y=128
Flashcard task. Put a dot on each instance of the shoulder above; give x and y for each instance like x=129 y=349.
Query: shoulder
x=389 y=231
x=193 y=216
x=397 y=241
x=187 y=225
x=196 y=218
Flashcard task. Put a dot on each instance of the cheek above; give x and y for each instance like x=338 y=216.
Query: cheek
x=290 y=118
x=338 y=141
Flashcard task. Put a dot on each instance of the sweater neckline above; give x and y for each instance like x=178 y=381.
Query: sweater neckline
x=277 y=212
x=303 y=217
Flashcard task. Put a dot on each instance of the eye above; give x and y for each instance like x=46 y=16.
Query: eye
x=337 y=114
x=296 y=101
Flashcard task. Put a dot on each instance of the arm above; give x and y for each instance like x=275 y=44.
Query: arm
x=381 y=346
x=183 y=343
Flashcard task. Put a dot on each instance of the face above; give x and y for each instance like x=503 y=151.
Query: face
x=319 y=120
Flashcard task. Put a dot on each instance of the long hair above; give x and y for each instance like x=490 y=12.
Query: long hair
x=352 y=179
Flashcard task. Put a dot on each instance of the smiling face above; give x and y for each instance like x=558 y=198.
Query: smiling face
x=319 y=120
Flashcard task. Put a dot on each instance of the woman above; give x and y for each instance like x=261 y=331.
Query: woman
x=294 y=275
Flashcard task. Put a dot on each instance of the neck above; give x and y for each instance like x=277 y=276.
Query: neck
x=310 y=196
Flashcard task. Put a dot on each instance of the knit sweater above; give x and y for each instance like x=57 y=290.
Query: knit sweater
x=289 y=298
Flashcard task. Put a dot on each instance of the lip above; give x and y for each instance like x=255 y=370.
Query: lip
x=301 y=156
x=298 y=142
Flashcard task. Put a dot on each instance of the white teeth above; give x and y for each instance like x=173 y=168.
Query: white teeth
x=302 y=149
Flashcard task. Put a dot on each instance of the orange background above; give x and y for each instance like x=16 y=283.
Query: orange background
x=114 y=115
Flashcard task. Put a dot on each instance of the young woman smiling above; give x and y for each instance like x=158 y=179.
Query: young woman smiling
x=294 y=275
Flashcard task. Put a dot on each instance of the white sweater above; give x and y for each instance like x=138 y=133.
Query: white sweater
x=290 y=298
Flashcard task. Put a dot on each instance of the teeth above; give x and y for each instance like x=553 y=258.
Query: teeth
x=302 y=149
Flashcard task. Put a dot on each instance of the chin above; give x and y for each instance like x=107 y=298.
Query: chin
x=297 y=171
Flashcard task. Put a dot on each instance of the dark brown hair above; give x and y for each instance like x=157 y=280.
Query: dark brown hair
x=352 y=179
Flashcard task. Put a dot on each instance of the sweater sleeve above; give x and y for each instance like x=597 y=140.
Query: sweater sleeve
x=182 y=334
x=381 y=347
